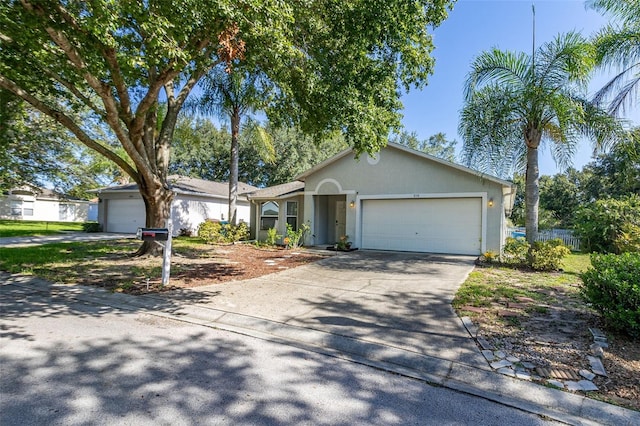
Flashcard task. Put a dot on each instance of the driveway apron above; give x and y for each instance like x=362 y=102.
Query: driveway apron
x=400 y=300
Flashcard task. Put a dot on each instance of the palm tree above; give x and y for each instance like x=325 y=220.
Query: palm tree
x=234 y=94
x=515 y=103
x=618 y=46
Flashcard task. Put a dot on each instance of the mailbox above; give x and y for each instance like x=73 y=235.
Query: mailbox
x=153 y=234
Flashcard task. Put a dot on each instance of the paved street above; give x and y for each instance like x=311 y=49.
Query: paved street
x=66 y=361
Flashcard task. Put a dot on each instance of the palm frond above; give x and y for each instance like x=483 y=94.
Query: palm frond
x=497 y=66
x=618 y=46
x=569 y=58
x=627 y=11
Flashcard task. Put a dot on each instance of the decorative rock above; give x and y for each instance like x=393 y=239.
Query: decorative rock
x=597 y=334
x=582 y=385
x=468 y=324
x=523 y=299
x=596 y=350
x=601 y=344
x=588 y=385
x=507 y=372
x=596 y=366
x=484 y=344
x=513 y=359
x=523 y=375
x=504 y=313
x=556 y=383
x=500 y=364
x=529 y=365
x=488 y=355
x=587 y=374
x=500 y=354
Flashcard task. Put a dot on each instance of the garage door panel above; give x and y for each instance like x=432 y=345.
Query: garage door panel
x=125 y=215
x=443 y=225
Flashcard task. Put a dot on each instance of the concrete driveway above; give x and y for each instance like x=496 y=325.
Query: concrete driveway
x=401 y=300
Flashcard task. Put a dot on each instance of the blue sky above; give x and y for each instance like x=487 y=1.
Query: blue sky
x=478 y=25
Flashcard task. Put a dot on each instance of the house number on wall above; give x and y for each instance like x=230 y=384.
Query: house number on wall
x=416 y=195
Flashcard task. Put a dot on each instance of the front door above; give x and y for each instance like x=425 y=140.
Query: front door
x=341 y=219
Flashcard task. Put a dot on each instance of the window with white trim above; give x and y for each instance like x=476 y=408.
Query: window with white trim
x=268 y=215
x=292 y=214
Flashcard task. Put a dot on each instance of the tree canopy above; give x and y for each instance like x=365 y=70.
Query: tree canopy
x=334 y=65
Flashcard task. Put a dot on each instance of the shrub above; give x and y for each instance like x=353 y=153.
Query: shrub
x=272 y=237
x=211 y=232
x=515 y=251
x=489 y=257
x=218 y=233
x=91 y=227
x=612 y=286
x=548 y=255
x=296 y=238
x=233 y=234
x=609 y=225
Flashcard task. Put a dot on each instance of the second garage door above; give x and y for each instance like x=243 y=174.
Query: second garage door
x=433 y=225
x=125 y=215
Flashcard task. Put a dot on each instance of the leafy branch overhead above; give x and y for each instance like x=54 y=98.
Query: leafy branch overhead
x=333 y=65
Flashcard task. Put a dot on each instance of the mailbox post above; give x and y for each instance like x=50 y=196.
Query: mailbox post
x=160 y=235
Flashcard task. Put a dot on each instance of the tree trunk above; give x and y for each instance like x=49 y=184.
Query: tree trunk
x=532 y=193
x=157 y=201
x=233 y=169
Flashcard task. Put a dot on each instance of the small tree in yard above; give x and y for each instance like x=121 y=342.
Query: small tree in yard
x=335 y=65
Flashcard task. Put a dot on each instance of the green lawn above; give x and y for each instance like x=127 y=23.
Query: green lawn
x=23 y=228
x=486 y=286
x=66 y=261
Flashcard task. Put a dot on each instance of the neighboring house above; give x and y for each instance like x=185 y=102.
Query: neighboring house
x=121 y=209
x=34 y=203
x=399 y=199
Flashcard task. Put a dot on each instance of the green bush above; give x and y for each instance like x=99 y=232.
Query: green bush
x=609 y=225
x=515 y=251
x=91 y=227
x=548 y=255
x=218 y=233
x=233 y=234
x=612 y=286
x=272 y=237
x=211 y=232
x=296 y=238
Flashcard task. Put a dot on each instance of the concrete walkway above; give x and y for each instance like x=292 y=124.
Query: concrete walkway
x=66 y=237
x=390 y=311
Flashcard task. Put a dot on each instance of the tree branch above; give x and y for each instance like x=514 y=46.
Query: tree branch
x=67 y=122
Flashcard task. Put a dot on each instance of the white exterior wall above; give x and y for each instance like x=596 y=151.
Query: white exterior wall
x=190 y=212
x=46 y=210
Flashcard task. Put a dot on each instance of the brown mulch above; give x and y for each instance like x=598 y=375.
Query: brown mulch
x=213 y=265
x=556 y=336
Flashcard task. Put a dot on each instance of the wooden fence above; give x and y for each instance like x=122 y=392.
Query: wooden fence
x=566 y=235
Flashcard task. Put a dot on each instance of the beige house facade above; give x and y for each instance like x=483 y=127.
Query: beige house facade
x=399 y=199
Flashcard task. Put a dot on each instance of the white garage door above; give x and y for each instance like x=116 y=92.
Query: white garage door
x=125 y=215
x=438 y=225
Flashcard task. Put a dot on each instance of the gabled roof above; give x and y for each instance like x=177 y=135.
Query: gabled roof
x=413 y=152
x=189 y=186
x=278 y=191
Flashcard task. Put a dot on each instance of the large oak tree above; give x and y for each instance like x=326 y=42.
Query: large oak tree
x=334 y=64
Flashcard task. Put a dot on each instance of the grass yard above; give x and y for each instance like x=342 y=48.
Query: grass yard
x=25 y=228
x=541 y=317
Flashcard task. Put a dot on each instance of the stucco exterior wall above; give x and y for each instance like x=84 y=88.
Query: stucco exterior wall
x=281 y=225
x=48 y=210
x=396 y=173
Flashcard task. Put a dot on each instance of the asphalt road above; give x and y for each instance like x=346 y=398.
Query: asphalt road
x=72 y=363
